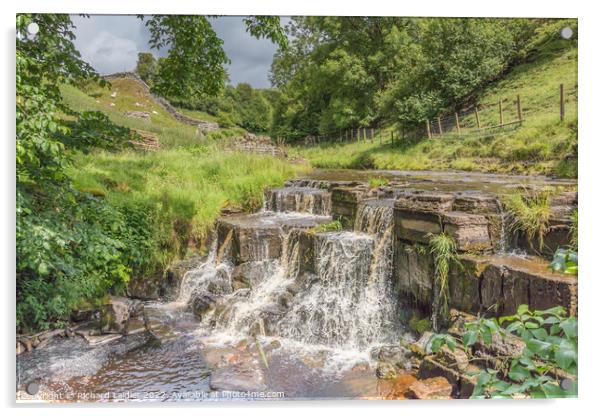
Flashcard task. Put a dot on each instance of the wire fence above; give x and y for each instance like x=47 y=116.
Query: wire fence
x=489 y=118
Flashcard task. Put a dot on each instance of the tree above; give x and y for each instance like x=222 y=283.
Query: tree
x=66 y=242
x=146 y=66
x=194 y=65
x=348 y=72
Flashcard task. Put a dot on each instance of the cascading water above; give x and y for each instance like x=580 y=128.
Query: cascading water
x=504 y=218
x=294 y=199
x=198 y=278
x=347 y=303
x=337 y=309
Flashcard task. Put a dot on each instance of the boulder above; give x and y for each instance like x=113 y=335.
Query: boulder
x=435 y=388
x=250 y=240
x=462 y=382
x=428 y=201
x=510 y=281
x=416 y=226
x=386 y=370
x=476 y=203
x=250 y=274
x=146 y=287
x=202 y=302
x=116 y=313
x=175 y=274
x=464 y=282
x=396 y=355
x=414 y=271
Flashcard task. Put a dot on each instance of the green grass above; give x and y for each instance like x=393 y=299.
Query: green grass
x=530 y=214
x=541 y=145
x=377 y=181
x=194 y=186
x=187 y=182
x=327 y=227
x=170 y=132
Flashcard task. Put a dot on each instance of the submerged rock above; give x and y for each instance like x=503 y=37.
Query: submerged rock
x=116 y=313
x=202 y=302
x=386 y=370
x=242 y=376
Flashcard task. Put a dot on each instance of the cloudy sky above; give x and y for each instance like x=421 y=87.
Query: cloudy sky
x=111 y=44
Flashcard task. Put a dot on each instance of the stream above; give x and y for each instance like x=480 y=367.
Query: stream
x=256 y=319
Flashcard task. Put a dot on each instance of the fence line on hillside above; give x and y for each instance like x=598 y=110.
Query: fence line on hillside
x=482 y=118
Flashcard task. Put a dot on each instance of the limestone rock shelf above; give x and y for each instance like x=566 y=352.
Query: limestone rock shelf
x=260 y=236
x=469 y=208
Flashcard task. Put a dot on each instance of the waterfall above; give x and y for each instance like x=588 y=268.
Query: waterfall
x=351 y=305
x=504 y=218
x=294 y=199
x=262 y=306
x=375 y=217
x=204 y=273
x=331 y=290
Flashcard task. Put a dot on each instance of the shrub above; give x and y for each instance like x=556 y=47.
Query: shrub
x=551 y=343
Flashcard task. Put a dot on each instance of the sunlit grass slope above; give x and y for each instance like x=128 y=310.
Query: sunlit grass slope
x=186 y=182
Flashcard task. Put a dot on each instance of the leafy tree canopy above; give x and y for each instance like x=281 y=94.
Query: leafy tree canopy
x=195 y=61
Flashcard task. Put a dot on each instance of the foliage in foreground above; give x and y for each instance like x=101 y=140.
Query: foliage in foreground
x=566 y=261
x=69 y=246
x=550 y=350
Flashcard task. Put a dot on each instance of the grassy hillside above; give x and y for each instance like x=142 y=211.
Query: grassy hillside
x=185 y=183
x=541 y=145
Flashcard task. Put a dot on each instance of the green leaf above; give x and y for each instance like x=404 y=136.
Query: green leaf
x=569 y=326
x=522 y=309
x=469 y=338
x=43 y=268
x=538 y=347
x=518 y=373
x=540 y=334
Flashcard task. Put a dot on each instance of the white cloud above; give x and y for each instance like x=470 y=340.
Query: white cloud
x=110 y=53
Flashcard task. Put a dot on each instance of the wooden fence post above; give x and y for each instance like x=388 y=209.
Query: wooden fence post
x=365 y=136
x=428 y=129
x=439 y=125
x=519 y=109
x=457 y=122
x=476 y=112
x=501 y=114
x=561 y=102
x=358 y=134
x=371 y=134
